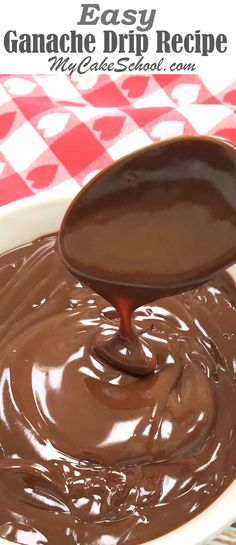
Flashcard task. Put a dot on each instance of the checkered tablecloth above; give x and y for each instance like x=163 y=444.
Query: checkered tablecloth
x=56 y=132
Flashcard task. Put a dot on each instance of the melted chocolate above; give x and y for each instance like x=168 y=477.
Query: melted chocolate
x=158 y=222
x=91 y=455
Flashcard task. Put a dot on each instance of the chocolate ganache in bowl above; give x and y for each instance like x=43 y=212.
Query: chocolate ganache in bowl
x=118 y=382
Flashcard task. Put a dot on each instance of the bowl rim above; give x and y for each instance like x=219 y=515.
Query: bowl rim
x=222 y=512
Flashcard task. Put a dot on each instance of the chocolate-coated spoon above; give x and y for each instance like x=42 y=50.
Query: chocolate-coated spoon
x=159 y=221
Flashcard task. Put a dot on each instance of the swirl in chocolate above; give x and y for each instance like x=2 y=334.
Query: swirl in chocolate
x=91 y=455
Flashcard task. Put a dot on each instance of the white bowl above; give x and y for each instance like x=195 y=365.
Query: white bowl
x=25 y=220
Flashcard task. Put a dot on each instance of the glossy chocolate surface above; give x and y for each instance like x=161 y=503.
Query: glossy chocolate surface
x=157 y=222
x=93 y=455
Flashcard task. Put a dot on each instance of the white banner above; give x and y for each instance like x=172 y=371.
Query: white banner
x=118 y=37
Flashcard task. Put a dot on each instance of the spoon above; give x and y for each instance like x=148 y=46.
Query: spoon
x=155 y=223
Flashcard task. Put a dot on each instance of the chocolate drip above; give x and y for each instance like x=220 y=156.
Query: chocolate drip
x=158 y=222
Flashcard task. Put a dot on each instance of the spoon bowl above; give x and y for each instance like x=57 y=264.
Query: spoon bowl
x=159 y=221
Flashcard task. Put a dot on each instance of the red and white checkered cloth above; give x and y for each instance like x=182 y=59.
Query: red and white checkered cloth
x=55 y=129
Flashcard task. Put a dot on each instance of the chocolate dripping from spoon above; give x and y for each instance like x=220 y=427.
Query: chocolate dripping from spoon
x=158 y=222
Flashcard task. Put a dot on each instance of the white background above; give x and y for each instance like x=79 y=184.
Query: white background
x=176 y=16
